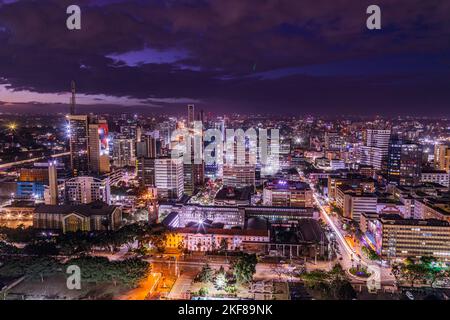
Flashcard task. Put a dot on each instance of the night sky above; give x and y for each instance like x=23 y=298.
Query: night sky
x=276 y=56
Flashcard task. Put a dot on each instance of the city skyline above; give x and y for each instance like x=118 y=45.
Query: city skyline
x=308 y=58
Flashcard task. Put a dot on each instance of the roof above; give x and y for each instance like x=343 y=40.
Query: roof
x=231 y=232
x=96 y=208
x=231 y=193
x=398 y=220
x=286 y=185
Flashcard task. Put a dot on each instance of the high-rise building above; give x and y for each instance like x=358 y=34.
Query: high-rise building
x=378 y=138
x=98 y=147
x=375 y=151
x=72 y=98
x=191 y=116
x=123 y=152
x=147 y=147
x=79 y=144
x=53 y=183
x=404 y=162
x=169 y=177
x=146 y=171
x=442 y=157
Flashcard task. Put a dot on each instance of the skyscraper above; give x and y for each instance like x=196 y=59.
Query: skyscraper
x=190 y=118
x=53 y=183
x=404 y=162
x=169 y=177
x=375 y=151
x=72 y=99
x=123 y=152
x=98 y=147
x=79 y=144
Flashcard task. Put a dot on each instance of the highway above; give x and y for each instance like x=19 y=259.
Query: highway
x=16 y=163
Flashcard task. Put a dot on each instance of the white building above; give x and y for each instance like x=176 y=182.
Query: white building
x=169 y=177
x=86 y=189
x=436 y=176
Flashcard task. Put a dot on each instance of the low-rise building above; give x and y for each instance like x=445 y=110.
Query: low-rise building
x=94 y=216
x=282 y=193
x=398 y=238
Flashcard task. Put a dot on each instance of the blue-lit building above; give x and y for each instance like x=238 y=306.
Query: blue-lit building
x=29 y=189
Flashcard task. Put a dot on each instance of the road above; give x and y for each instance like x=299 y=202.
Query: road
x=16 y=163
x=379 y=274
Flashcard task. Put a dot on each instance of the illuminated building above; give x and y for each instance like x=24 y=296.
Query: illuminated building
x=98 y=147
x=123 y=152
x=282 y=193
x=354 y=202
x=375 y=151
x=398 y=238
x=169 y=177
x=238 y=175
x=146 y=171
x=191 y=116
x=436 y=176
x=442 y=157
x=203 y=239
x=31 y=183
x=86 y=189
x=404 y=162
x=94 y=216
x=79 y=144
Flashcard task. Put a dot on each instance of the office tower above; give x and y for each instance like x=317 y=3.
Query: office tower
x=86 y=189
x=72 y=99
x=404 y=162
x=282 y=193
x=146 y=171
x=333 y=141
x=238 y=175
x=79 y=144
x=190 y=118
x=53 y=183
x=375 y=151
x=123 y=152
x=442 y=157
x=147 y=147
x=378 y=138
x=98 y=147
x=169 y=177
x=201 y=117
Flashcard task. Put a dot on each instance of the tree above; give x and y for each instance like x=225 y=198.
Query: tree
x=32 y=267
x=127 y=272
x=41 y=248
x=221 y=281
x=410 y=271
x=332 y=284
x=244 y=268
x=206 y=275
x=203 y=292
x=371 y=254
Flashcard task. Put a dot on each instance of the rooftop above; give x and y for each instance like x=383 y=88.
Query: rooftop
x=91 y=209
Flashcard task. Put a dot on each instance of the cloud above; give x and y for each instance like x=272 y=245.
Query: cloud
x=242 y=55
